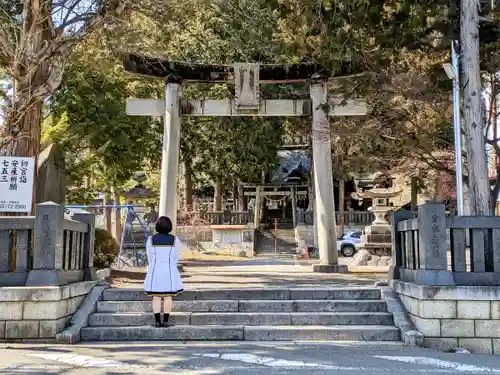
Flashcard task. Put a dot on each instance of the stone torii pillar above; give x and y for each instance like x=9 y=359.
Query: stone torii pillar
x=170 y=150
x=247 y=102
x=324 y=213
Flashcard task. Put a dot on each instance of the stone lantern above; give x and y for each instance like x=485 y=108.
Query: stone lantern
x=375 y=246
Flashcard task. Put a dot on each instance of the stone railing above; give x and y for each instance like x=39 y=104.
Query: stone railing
x=353 y=217
x=16 y=240
x=47 y=249
x=446 y=271
x=436 y=249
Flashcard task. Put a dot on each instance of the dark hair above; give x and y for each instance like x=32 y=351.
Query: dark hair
x=164 y=225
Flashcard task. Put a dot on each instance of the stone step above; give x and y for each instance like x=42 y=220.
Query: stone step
x=333 y=333
x=146 y=333
x=312 y=306
x=282 y=250
x=271 y=241
x=280 y=239
x=250 y=319
x=250 y=306
x=277 y=255
x=271 y=244
x=342 y=293
x=272 y=248
x=271 y=236
x=135 y=319
x=179 y=306
x=288 y=232
x=239 y=332
x=279 y=247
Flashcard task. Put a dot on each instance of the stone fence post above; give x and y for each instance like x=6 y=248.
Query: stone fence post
x=432 y=246
x=88 y=246
x=250 y=216
x=48 y=246
x=301 y=217
x=397 y=249
x=433 y=252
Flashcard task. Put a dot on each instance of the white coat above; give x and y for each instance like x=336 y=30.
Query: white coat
x=163 y=277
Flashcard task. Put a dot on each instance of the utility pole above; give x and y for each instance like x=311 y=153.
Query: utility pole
x=494 y=125
x=496 y=100
x=479 y=184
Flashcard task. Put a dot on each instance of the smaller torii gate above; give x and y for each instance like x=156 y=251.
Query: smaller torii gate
x=247 y=78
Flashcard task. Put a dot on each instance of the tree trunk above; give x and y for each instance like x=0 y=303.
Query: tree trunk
x=117 y=233
x=310 y=190
x=496 y=122
x=218 y=196
x=107 y=213
x=341 y=207
x=493 y=125
x=35 y=78
x=236 y=196
x=25 y=132
x=479 y=192
x=188 y=187
x=414 y=196
x=33 y=54
x=242 y=202
x=28 y=144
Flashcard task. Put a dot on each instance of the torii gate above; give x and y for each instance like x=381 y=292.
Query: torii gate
x=247 y=102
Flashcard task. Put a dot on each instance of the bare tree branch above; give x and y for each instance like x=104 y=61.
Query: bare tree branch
x=35 y=47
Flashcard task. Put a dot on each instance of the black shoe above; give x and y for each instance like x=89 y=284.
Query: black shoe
x=166 y=317
x=158 y=322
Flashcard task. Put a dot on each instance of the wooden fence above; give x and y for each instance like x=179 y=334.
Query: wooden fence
x=214 y=218
x=353 y=217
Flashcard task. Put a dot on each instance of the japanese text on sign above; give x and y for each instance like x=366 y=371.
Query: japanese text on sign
x=16 y=183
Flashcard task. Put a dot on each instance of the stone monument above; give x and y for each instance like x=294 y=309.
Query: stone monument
x=376 y=243
x=51 y=181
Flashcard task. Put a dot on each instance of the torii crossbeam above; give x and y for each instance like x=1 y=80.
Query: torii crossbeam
x=247 y=78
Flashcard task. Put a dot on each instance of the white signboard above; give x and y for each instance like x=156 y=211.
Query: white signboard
x=16 y=183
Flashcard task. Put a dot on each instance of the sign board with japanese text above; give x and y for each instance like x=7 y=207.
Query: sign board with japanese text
x=16 y=183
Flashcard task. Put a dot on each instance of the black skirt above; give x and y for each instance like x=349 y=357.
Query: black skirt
x=164 y=294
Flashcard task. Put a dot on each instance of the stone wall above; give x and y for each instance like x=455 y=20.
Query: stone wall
x=304 y=233
x=219 y=239
x=454 y=316
x=239 y=242
x=39 y=313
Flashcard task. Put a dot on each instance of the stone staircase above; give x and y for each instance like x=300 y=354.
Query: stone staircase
x=266 y=245
x=352 y=314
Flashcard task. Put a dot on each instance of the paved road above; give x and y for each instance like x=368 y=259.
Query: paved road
x=258 y=272
x=211 y=358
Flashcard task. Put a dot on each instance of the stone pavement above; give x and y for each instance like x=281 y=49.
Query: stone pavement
x=251 y=273
x=222 y=358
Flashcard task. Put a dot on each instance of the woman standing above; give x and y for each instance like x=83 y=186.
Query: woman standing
x=163 y=279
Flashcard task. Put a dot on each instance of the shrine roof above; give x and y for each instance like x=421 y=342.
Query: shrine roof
x=161 y=68
x=139 y=191
x=290 y=162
